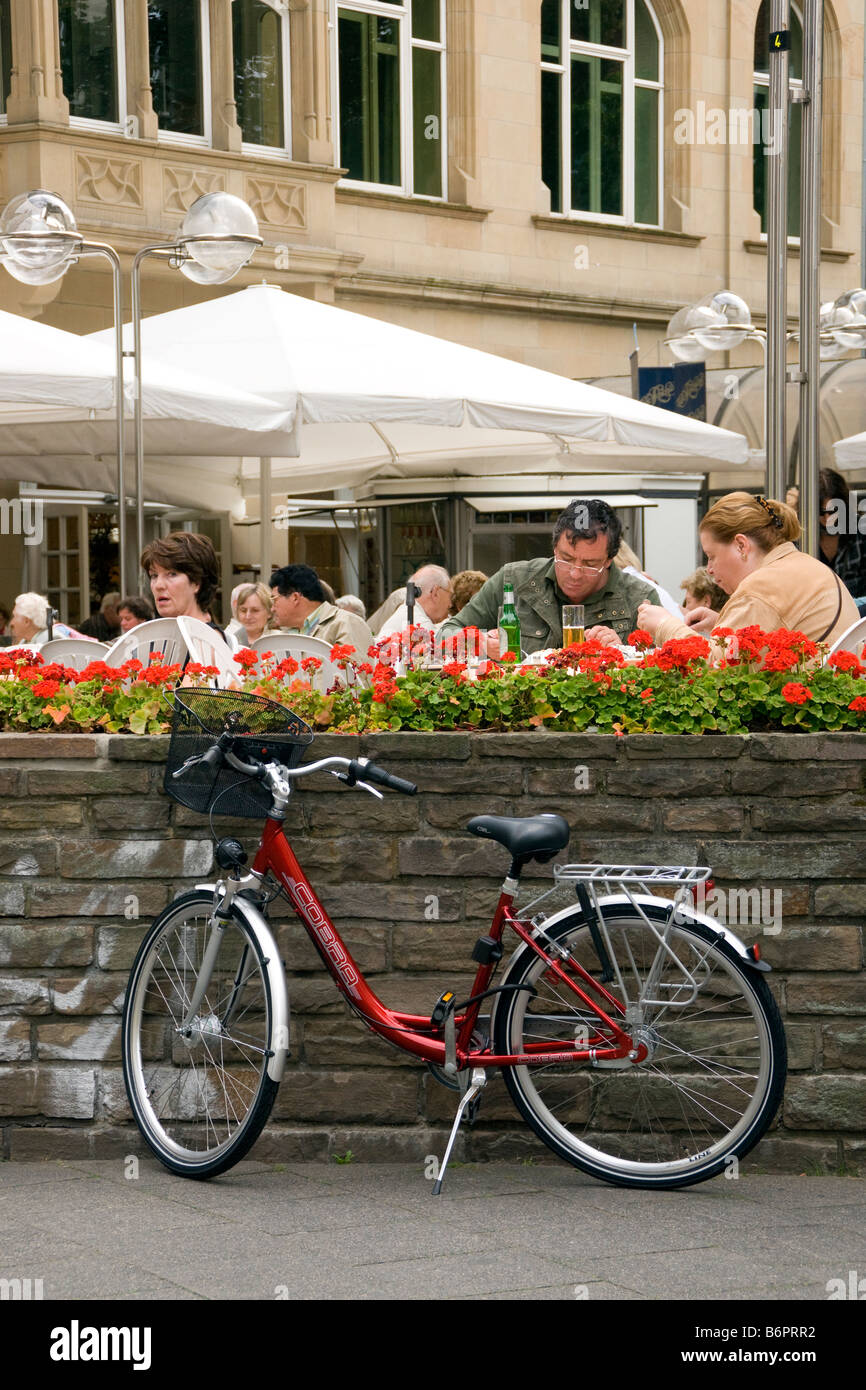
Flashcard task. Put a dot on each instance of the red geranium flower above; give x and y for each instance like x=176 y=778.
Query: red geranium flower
x=246 y=658
x=796 y=694
x=845 y=661
x=858 y=704
x=46 y=689
x=640 y=638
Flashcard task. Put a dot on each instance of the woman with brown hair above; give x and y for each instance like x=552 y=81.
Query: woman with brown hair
x=184 y=575
x=749 y=544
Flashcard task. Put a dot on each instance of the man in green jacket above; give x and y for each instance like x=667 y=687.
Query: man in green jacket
x=586 y=537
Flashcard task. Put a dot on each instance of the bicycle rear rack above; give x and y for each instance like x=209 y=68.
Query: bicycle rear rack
x=590 y=880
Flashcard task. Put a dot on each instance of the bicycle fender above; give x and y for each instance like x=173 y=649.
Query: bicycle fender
x=255 y=920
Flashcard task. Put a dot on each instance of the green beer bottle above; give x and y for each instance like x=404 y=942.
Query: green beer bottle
x=510 y=625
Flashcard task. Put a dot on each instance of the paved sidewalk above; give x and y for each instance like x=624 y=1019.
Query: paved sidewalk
x=374 y=1231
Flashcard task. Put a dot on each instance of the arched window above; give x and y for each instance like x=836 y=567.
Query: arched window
x=178 y=38
x=91 y=40
x=391 y=94
x=5 y=53
x=762 y=98
x=261 y=59
x=601 y=109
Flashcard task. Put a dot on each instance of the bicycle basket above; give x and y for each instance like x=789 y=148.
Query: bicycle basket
x=263 y=731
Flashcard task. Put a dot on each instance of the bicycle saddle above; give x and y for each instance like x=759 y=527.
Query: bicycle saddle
x=525 y=837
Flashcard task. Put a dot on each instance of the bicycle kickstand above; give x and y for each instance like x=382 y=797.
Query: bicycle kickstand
x=477 y=1080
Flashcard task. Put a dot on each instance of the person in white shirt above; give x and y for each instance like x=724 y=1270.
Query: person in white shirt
x=432 y=605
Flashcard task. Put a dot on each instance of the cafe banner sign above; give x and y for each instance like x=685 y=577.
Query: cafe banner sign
x=681 y=388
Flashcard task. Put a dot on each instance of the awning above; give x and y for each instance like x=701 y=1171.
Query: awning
x=547 y=501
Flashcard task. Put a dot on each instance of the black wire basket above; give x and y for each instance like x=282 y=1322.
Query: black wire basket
x=263 y=731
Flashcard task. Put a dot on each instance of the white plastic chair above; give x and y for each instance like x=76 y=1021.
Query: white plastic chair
x=295 y=645
x=208 y=647
x=75 y=652
x=161 y=635
x=851 y=640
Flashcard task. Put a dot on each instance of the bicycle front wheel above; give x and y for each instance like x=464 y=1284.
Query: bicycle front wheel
x=715 y=1070
x=199 y=1095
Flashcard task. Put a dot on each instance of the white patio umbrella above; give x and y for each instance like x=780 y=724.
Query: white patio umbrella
x=47 y=366
x=332 y=366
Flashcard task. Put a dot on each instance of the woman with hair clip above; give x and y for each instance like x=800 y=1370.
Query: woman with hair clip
x=749 y=544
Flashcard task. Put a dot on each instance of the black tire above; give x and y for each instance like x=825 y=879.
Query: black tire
x=200 y=1101
x=706 y=1093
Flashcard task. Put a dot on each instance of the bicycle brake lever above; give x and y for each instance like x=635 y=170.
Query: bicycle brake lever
x=353 y=782
x=372 y=790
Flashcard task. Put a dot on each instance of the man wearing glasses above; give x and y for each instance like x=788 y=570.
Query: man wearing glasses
x=586 y=537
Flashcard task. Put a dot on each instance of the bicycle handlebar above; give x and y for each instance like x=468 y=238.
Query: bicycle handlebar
x=356 y=769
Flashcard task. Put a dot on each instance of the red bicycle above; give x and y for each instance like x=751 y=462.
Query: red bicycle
x=638 y=1039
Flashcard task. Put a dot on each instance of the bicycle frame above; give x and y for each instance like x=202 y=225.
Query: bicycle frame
x=413 y=1032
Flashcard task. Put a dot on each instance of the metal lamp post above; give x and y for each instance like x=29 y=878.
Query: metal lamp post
x=217 y=239
x=39 y=241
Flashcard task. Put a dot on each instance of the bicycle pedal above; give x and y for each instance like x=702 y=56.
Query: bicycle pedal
x=442 y=1008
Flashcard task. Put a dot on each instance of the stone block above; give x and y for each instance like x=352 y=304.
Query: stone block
x=838 y=747
x=11 y=782
x=807 y=946
x=113 y=1103
x=35 y=815
x=23 y=747
x=97 y=993
x=112 y=813
x=347 y=1096
x=797 y=859
x=89 y=781
x=92 y=1039
x=413 y=1143
x=28 y=857
x=786 y=1153
x=673 y=747
x=131 y=748
x=135 y=858
x=57 y=1092
x=704 y=816
x=425 y=946
x=802 y=1039
x=689 y=778
x=446 y=856
x=30 y=1143
x=346 y=1042
x=810 y=813
x=14 y=1040
x=23 y=994
x=362 y=814
x=455 y=812
x=796 y=779
x=117 y=947
x=544 y=745
x=35 y=944
x=366 y=945
x=12 y=900
x=346 y=858
x=839 y=899
x=834 y=1103
x=292 y=1145
x=385 y=748
x=844 y=1046
x=134 y=901
x=385 y=902
x=820 y=995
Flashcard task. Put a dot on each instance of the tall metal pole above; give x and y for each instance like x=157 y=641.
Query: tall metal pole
x=776 y=153
x=810 y=271
x=98 y=248
x=165 y=252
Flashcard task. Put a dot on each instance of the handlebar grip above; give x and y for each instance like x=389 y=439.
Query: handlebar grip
x=369 y=772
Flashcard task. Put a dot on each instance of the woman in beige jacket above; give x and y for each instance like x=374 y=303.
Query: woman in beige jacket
x=750 y=554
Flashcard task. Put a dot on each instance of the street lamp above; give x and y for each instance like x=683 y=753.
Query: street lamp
x=39 y=241
x=217 y=239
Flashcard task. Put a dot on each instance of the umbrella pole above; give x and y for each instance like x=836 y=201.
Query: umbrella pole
x=266 y=549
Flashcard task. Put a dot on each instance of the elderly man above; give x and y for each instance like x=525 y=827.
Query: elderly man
x=431 y=606
x=300 y=605
x=586 y=537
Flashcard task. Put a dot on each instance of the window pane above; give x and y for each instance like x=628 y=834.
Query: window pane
x=258 y=57
x=762 y=42
x=551 y=16
x=174 y=34
x=427 y=121
x=369 y=60
x=596 y=135
x=425 y=19
x=646 y=57
x=87 y=58
x=5 y=53
x=646 y=155
x=551 y=137
x=761 y=162
x=599 y=21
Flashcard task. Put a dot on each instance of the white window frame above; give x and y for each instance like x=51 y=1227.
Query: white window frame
x=188 y=138
x=283 y=151
x=115 y=127
x=626 y=55
x=795 y=84
x=402 y=12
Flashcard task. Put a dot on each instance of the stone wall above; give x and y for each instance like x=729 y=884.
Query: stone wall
x=91 y=849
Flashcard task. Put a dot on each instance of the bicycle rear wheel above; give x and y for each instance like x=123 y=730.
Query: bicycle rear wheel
x=202 y=1098
x=712 y=1080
